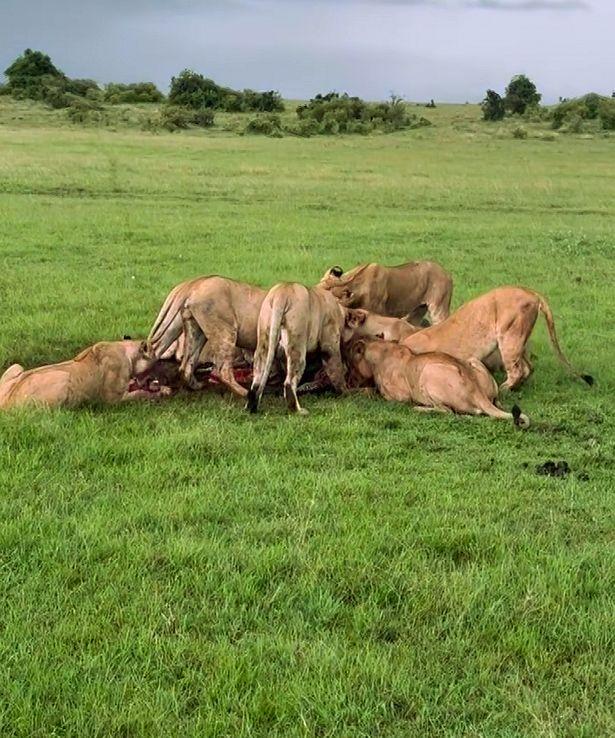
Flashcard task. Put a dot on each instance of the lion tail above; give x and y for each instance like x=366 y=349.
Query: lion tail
x=168 y=326
x=268 y=342
x=544 y=308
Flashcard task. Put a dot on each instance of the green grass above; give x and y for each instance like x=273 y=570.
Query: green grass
x=184 y=569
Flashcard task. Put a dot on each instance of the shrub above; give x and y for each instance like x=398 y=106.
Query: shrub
x=521 y=93
x=5 y=90
x=28 y=74
x=263 y=102
x=203 y=118
x=493 y=106
x=83 y=88
x=587 y=107
x=304 y=128
x=575 y=124
x=334 y=113
x=191 y=90
x=135 y=92
x=519 y=132
x=606 y=113
x=81 y=110
x=175 y=117
x=269 y=124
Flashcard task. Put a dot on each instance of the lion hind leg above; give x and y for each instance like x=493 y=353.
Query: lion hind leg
x=295 y=366
x=194 y=340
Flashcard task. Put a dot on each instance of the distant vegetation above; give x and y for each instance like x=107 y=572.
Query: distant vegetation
x=334 y=113
x=521 y=99
x=192 y=90
x=577 y=114
x=520 y=96
x=34 y=76
x=137 y=92
x=194 y=100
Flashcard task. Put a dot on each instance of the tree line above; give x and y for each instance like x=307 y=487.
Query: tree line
x=522 y=98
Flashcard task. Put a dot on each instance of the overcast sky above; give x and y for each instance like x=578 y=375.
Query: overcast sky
x=451 y=50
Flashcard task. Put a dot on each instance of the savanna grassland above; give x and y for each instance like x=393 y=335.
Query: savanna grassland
x=184 y=569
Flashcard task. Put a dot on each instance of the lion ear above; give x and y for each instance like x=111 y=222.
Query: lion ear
x=355 y=318
x=336 y=271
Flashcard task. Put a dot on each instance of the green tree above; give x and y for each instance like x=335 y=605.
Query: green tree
x=30 y=73
x=521 y=93
x=493 y=106
x=192 y=90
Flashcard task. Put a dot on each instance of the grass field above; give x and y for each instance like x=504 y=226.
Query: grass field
x=184 y=569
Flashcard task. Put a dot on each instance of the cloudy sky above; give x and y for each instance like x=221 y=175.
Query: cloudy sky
x=451 y=50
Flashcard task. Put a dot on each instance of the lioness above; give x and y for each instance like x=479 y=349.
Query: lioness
x=215 y=310
x=365 y=323
x=431 y=382
x=299 y=319
x=502 y=320
x=100 y=373
x=408 y=290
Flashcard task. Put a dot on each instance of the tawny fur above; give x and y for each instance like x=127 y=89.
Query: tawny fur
x=100 y=373
x=431 y=381
x=208 y=317
x=298 y=319
x=409 y=290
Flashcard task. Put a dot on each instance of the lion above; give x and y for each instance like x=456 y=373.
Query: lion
x=431 y=382
x=494 y=328
x=360 y=322
x=103 y=372
x=213 y=313
x=409 y=290
x=299 y=319
x=501 y=321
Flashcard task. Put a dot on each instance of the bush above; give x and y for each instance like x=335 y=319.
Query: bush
x=493 y=106
x=192 y=90
x=521 y=93
x=135 y=92
x=81 y=110
x=606 y=113
x=34 y=76
x=575 y=124
x=5 y=90
x=304 y=128
x=268 y=125
x=28 y=74
x=83 y=88
x=263 y=102
x=175 y=117
x=585 y=108
x=334 y=113
x=519 y=132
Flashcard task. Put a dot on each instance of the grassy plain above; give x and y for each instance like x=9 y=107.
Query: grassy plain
x=184 y=569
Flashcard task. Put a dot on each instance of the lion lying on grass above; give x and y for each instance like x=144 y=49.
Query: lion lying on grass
x=106 y=372
x=430 y=382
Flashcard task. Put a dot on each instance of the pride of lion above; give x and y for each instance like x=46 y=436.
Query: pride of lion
x=358 y=331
